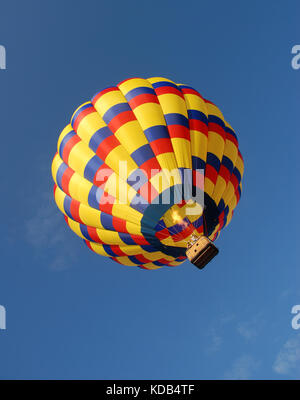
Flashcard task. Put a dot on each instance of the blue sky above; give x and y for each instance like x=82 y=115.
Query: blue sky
x=73 y=314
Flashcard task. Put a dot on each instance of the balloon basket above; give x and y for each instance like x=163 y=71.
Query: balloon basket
x=201 y=251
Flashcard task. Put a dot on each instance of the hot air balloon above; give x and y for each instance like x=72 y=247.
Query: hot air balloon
x=148 y=173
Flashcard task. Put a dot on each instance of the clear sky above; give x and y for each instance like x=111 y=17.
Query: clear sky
x=73 y=314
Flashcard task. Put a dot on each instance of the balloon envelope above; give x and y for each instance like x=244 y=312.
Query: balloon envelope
x=143 y=166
